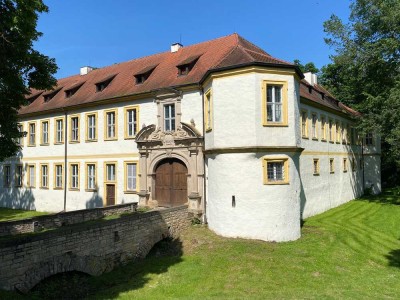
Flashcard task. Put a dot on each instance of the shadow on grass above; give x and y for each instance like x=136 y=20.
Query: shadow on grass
x=132 y=276
x=394 y=258
x=388 y=196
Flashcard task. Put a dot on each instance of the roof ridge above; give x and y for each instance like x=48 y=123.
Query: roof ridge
x=224 y=57
x=244 y=49
x=254 y=45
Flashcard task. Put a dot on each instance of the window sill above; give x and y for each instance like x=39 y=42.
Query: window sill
x=323 y=140
x=74 y=189
x=18 y=186
x=47 y=144
x=331 y=142
x=90 y=141
x=32 y=145
x=277 y=183
x=111 y=139
x=315 y=139
x=59 y=143
x=331 y=172
x=91 y=190
x=58 y=188
x=305 y=137
x=316 y=174
x=130 y=137
x=74 y=142
x=345 y=171
x=275 y=125
x=208 y=129
x=130 y=192
x=44 y=188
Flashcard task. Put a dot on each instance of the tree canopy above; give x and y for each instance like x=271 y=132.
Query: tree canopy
x=308 y=67
x=21 y=67
x=364 y=72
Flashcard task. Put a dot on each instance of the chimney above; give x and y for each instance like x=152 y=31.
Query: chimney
x=86 y=70
x=311 y=78
x=175 y=47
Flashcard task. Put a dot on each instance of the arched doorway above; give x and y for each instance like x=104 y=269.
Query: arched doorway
x=171 y=183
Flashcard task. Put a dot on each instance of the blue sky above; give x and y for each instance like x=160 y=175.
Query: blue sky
x=100 y=33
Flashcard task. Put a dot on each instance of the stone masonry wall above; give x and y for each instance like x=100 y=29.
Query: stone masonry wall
x=92 y=248
x=61 y=219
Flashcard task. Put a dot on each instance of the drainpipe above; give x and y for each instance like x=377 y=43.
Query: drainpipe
x=204 y=207
x=363 y=165
x=65 y=159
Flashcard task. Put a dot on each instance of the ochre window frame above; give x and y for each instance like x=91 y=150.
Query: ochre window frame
x=21 y=140
x=304 y=135
x=338 y=132
x=284 y=95
x=8 y=185
x=29 y=183
x=87 y=115
x=70 y=164
x=331 y=130
x=331 y=165
x=41 y=176
x=126 y=163
x=316 y=137
x=55 y=187
x=87 y=189
x=42 y=143
x=208 y=114
x=56 y=142
x=70 y=140
x=29 y=134
x=126 y=109
x=323 y=128
x=267 y=160
x=106 y=137
x=21 y=176
x=318 y=167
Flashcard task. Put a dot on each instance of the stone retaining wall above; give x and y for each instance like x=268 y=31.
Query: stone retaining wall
x=51 y=221
x=93 y=248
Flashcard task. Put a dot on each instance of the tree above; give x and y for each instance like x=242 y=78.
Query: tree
x=21 y=66
x=365 y=69
x=308 y=67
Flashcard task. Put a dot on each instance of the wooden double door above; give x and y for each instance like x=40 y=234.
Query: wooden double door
x=171 y=183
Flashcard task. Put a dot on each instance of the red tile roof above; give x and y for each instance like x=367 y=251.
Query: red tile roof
x=225 y=52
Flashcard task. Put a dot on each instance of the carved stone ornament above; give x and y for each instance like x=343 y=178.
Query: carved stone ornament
x=168 y=139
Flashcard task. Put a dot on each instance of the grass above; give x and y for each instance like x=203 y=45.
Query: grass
x=350 y=252
x=8 y=214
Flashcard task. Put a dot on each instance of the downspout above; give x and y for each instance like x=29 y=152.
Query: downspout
x=363 y=165
x=204 y=206
x=65 y=159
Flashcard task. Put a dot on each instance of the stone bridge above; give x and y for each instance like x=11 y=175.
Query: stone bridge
x=93 y=248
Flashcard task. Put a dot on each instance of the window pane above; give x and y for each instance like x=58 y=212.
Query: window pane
x=278 y=94
x=269 y=94
x=278 y=112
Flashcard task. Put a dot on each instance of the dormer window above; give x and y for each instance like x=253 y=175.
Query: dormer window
x=187 y=65
x=72 y=90
x=101 y=85
x=144 y=74
x=310 y=89
x=50 y=94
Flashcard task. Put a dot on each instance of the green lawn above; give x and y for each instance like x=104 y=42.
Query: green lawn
x=351 y=252
x=7 y=214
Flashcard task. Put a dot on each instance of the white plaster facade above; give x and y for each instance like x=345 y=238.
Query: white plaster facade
x=225 y=164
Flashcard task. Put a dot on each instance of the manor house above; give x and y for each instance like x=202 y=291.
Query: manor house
x=245 y=139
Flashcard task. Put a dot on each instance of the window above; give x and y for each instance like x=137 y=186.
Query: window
x=58 y=176
x=44 y=176
x=73 y=89
x=19 y=175
x=369 y=139
x=74 y=137
x=101 y=85
x=276 y=171
x=207 y=111
x=338 y=132
x=111 y=125
x=344 y=133
x=331 y=165
x=330 y=131
x=316 y=166
x=74 y=173
x=130 y=176
x=353 y=164
x=110 y=172
x=349 y=134
x=187 y=65
x=169 y=117
x=314 y=127
x=144 y=74
x=59 y=132
x=45 y=133
x=7 y=175
x=344 y=164
x=91 y=127
x=31 y=176
x=131 y=121
x=91 y=176
x=304 y=125
x=323 y=128
x=274 y=103
x=20 y=140
x=32 y=134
